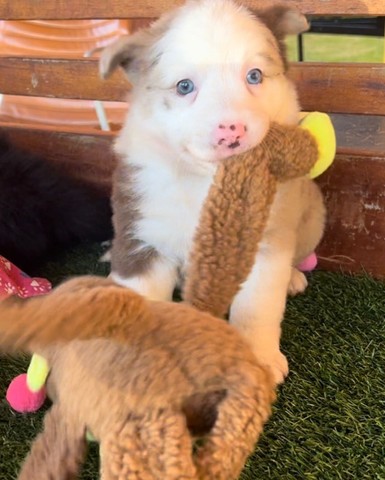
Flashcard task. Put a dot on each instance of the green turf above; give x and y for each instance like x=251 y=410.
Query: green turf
x=329 y=420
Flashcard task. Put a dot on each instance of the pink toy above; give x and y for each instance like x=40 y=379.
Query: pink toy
x=21 y=398
x=14 y=281
x=308 y=264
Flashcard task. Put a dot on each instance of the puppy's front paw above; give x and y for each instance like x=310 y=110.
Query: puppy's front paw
x=276 y=362
x=298 y=282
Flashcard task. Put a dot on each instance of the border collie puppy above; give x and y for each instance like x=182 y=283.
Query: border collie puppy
x=207 y=79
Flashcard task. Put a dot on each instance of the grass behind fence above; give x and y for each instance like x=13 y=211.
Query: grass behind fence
x=338 y=48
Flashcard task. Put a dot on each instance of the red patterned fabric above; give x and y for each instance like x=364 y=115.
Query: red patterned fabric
x=14 y=281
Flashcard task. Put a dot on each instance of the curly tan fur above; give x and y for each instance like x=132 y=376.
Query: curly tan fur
x=58 y=451
x=142 y=377
x=235 y=213
x=156 y=445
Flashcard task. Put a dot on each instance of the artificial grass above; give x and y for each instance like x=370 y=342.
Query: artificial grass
x=338 y=48
x=329 y=420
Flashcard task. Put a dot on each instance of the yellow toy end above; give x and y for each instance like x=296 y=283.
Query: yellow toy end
x=37 y=374
x=90 y=437
x=321 y=127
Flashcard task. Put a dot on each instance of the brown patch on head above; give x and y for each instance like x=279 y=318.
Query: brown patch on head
x=283 y=21
x=129 y=256
x=126 y=52
x=133 y=52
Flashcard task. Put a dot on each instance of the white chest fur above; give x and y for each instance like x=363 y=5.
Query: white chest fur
x=170 y=204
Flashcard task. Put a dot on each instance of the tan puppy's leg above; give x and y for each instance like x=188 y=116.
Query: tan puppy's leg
x=312 y=222
x=169 y=444
x=58 y=452
x=310 y=231
x=157 y=446
x=122 y=454
x=241 y=416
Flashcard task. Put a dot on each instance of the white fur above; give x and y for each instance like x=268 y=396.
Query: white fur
x=226 y=45
x=170 y=137
x=156 y=284
x=171 y=200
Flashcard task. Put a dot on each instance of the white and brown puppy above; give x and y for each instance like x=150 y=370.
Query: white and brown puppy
x=207 y=80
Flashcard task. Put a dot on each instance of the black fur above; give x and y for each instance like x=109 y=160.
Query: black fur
x=43 y=212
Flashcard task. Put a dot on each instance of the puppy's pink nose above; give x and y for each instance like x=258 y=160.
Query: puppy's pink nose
x=229 y=134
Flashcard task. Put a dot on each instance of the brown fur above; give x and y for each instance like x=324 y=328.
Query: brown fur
x=129 y=255
x=282 y=21
x=138 y=374
x=235 y=213
x=133 y=52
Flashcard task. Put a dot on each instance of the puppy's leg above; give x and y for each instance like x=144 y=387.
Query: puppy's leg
x=310 y=231
x=154 y=447
x=169 y=446
x=156 y=282
x=122 y=454
x=259 y=306
x=57 y=452
x=241 y=416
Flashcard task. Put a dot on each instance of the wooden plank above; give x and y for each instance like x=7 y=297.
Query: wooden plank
x=86 y=157
x=341 y=87
x=353 y=188
x=355 y=198
x=64 y=78
x=360 y=135
x=338 y=88
x=85 y=9
x=357 y=135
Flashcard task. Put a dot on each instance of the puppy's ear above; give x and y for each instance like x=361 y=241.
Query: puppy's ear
x=283 y=20
x=128 y=52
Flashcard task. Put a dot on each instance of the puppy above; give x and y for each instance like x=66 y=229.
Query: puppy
x=43 y=212
x=207 y=81
x=143 y=377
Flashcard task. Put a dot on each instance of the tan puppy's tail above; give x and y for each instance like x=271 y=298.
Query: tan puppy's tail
x=82 y=308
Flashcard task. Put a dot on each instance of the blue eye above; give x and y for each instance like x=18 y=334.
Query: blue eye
x=184 y=87
x=254 y=76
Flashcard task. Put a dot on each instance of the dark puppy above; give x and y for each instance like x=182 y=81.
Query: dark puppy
x=43 y=212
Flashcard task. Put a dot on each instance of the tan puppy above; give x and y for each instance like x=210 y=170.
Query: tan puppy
x=142 y=377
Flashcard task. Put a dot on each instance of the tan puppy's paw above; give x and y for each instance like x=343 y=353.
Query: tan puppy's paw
x=298 y=282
